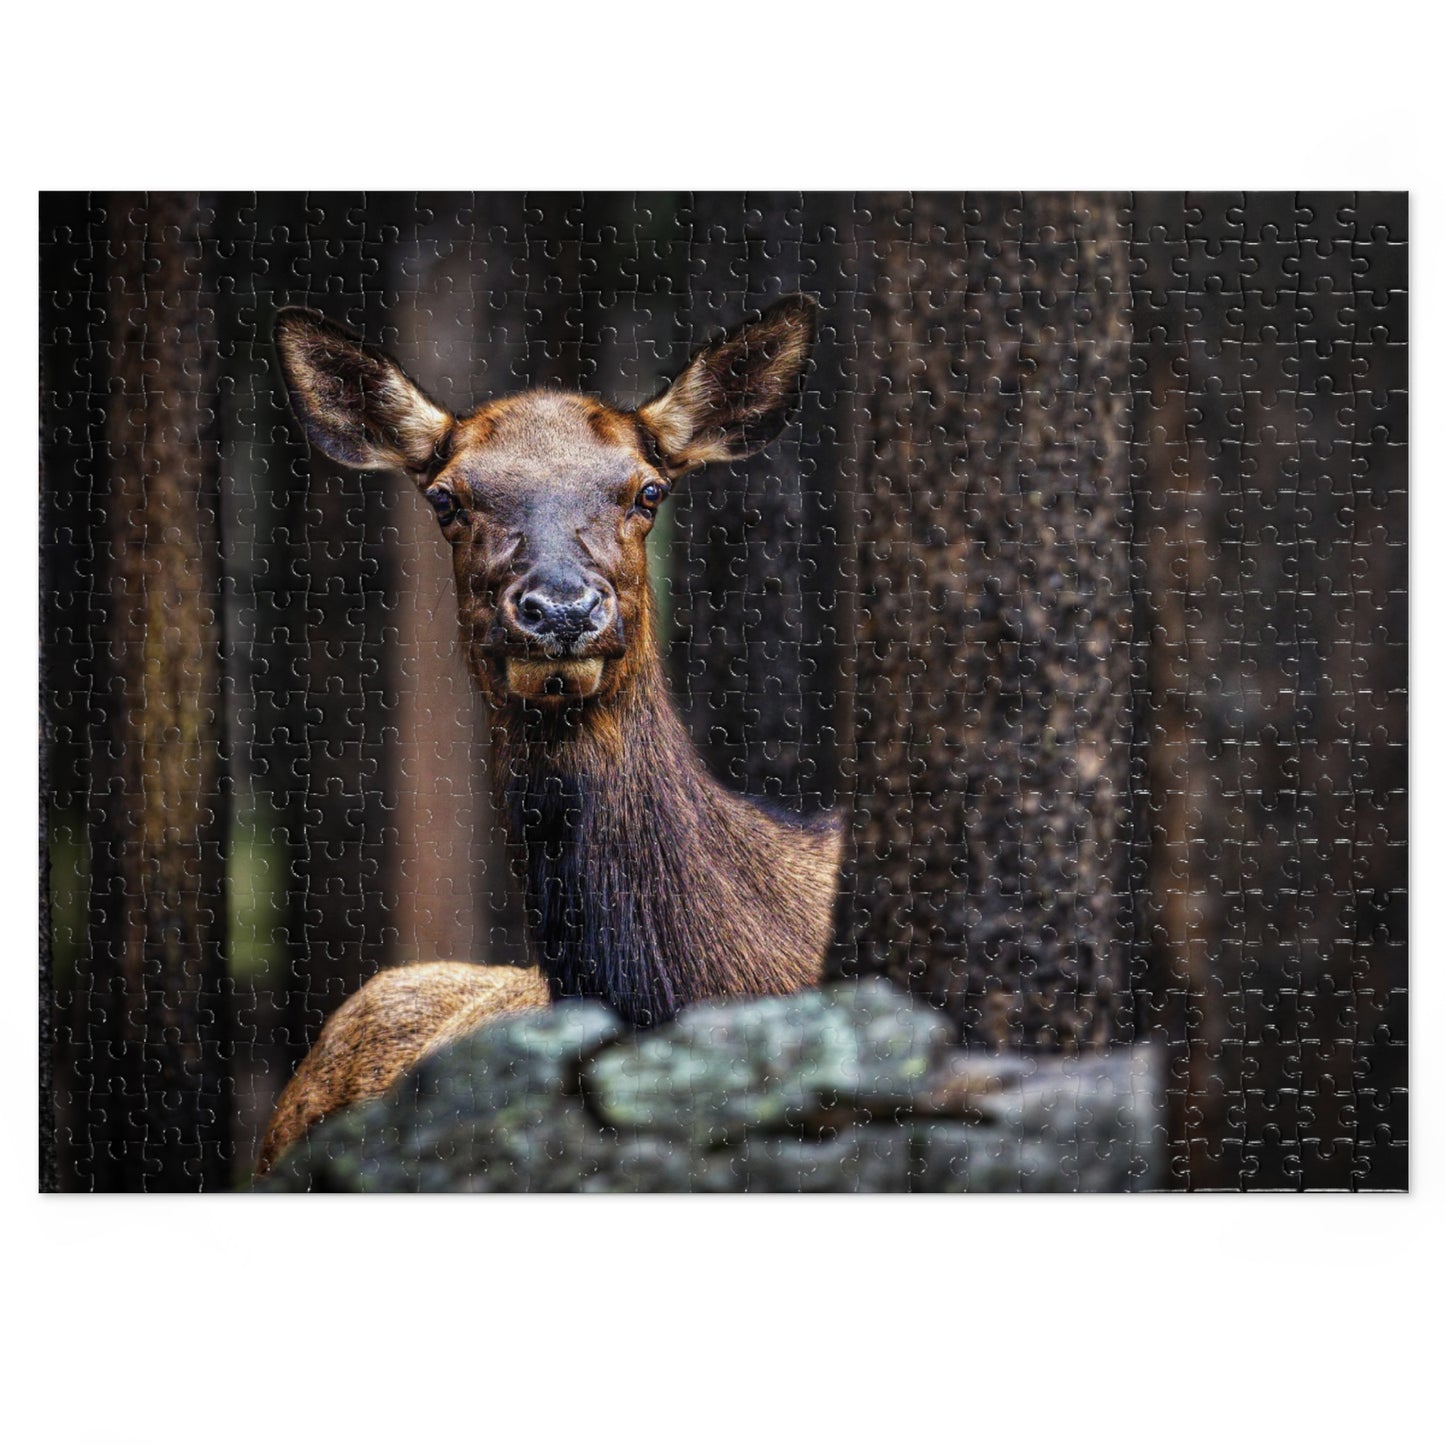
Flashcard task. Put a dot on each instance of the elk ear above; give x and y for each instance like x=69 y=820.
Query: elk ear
x=355 y=403
x=737 y=394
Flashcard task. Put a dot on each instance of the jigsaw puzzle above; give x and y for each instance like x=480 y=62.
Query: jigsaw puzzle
x=694 y=692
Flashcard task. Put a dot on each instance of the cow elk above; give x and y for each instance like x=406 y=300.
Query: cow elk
x=648 y=884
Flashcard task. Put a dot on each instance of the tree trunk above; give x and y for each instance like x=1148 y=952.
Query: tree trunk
x=162 y=1086
x=1273 y=512
x=992 y=670
x=461 y=332
x=49 y=1161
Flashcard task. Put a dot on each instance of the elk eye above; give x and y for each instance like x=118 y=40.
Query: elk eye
x=444 y=504
x=650 y=497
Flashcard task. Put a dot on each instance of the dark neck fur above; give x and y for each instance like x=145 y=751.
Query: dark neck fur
x=647 y=884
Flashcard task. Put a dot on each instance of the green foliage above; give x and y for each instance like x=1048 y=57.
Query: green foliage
x=257 y=882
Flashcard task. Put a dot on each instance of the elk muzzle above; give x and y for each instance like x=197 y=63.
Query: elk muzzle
x=541 y=679
x=558 y=633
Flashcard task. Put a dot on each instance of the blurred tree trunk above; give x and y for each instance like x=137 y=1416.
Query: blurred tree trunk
x=49 y=1158
x=343 y=598
x=1270 y=402
x=460 y=325
x=992 y=674
x=270 y=249
x=160 y=1082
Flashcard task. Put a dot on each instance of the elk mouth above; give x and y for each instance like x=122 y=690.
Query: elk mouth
x=553 y=679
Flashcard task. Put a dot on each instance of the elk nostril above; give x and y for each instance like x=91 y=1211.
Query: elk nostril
x=540 y=612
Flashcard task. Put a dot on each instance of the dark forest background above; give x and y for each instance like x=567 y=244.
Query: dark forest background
x=1124 y=740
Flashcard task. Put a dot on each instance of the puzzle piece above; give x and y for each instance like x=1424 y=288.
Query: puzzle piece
x=1074 y=583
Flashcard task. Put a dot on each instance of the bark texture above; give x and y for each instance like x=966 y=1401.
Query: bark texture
x=159 y=1062
x=992 y=673
x=49 y=1163
x=1271 y=425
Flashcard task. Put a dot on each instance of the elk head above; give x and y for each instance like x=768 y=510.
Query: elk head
x=547 y=497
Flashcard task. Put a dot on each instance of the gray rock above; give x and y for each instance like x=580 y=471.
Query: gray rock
x=843 y=1089
x=858 y=1160
x=1040 y=1123
x=497 y=1110
x=770 y=1063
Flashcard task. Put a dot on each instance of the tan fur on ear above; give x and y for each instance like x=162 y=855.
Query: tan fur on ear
x=355 y=403
x=736 y=395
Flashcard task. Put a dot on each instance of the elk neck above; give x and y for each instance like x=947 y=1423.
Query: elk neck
x=648 y=884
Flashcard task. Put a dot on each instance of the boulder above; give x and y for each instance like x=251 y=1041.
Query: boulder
x=855 y=1087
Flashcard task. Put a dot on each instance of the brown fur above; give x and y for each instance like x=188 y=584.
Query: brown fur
x=736 y=394
x=384 y=1028
x=649 y=884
